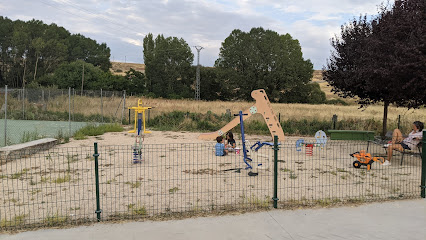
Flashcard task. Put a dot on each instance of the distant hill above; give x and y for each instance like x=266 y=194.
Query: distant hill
x=119 y=68
x=317 y=77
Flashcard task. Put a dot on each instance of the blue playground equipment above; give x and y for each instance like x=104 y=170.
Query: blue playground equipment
x=259 y=145
x=246 y=158
x=320 y=138
x=320 y=141
x=137 y=147
x=299 y=144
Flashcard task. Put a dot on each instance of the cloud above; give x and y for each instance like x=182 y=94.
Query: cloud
x=135 y=42
x=122 y=24
x=314 y=39
x=2 y=7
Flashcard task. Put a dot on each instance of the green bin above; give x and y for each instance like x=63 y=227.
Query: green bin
x=351 y=135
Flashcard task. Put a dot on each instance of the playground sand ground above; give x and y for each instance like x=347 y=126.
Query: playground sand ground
x=180 y=173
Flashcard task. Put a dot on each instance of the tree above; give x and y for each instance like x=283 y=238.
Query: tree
x=214 y=85
x=69 y=75
x=309 y=93
x=168 y=62
x=90 y=51
x=31 y=50
x=136 y=81
x=382 y=60
x=264 y=59
x=6 y=27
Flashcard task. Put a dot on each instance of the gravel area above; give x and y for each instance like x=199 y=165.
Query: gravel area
x=179 y=173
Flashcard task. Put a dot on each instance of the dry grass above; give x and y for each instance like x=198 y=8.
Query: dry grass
x=317 y=77
x=113 y=107
x=119 y=68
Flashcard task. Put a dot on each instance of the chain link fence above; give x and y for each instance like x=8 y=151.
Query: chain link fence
x=29 y=114
x=58 y=187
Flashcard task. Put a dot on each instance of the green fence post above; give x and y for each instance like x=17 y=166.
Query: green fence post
x=423 y=180
x=5 y=115
x=98 y=204
x=275 y=198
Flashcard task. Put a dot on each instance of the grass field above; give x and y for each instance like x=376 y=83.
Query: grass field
x=89 y=106
x=112 y=106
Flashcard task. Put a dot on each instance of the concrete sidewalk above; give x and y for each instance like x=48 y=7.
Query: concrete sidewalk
x=390 y=220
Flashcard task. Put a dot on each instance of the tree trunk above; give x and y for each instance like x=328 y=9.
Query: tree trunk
x=35 y=70
x=385 y=119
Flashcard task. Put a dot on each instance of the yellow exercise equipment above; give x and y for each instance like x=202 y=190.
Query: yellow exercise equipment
x=139 y=117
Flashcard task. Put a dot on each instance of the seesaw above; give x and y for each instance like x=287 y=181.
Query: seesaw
x=262 y=106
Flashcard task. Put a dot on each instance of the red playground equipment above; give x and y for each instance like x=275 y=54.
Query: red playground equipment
x=365 y=159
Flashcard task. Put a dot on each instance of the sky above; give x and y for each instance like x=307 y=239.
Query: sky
x=122 y=24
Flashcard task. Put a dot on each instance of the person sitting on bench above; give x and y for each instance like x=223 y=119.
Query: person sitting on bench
x=399 y=143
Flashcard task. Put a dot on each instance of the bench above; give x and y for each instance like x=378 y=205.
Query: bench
x=9 y=153
x=351 y=135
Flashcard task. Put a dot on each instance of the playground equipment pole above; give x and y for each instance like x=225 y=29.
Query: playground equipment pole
x=243 y=139
x=275 y=198
x=98 y=203
x=5 y=115
x=423 y=180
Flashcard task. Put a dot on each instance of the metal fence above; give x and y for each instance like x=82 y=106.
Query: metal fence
x=58 y=186
x=27 y=114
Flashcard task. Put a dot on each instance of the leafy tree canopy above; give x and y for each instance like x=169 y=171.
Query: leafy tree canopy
x=168 y=62
x=32 y=49
x=384 y=59
x=264 y=59
x=71 y=74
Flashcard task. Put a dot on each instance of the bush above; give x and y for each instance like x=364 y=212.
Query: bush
x=336 y=102
x=197 y=122
x=93 y=130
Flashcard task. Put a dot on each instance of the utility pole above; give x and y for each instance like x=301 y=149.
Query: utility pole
x=197 y=81
x=23 y=76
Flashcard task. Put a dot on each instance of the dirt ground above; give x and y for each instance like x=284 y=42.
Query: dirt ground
x=179 y=173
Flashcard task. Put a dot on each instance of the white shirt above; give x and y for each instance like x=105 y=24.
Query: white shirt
x=413 y=139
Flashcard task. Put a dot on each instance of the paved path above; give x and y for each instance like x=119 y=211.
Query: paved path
x=390 y=220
